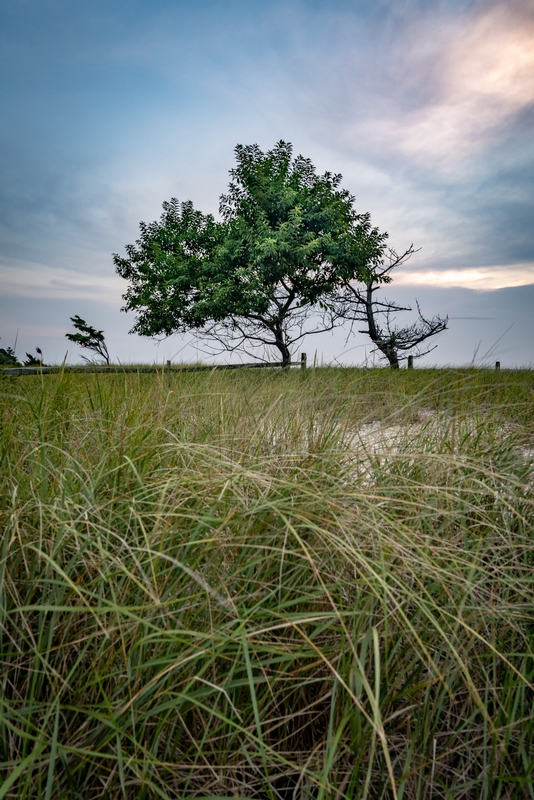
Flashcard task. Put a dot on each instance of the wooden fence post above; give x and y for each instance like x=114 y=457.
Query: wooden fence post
x=168 y=366
x=303 y=360
x=497 y=365
x=410 y=362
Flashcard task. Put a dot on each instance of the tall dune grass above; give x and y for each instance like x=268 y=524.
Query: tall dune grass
x=276 y=585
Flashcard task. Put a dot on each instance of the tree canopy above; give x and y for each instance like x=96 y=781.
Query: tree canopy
x=261 y=275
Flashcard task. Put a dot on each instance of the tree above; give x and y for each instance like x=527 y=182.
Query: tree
x=89 y=338
x=34 y=361
x=8 y=357
x=359 y=305
x=260 y=276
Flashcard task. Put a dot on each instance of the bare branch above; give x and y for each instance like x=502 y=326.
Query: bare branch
x=357 y=304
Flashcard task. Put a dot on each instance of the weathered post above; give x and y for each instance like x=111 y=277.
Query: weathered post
x=303 y=360
x=410 y=362
x=497 y=365
x=168 y=366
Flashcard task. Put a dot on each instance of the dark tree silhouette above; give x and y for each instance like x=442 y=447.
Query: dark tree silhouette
x=359 y=304
x=34 y=361
x=8 y=357
x=88 y=337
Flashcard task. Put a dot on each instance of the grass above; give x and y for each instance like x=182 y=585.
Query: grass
x=267 y=585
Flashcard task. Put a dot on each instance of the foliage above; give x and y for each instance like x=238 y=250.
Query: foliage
x=89 y=338
x=256 y=278
x=277 y=585
x=167 y=270
x=8 y=357
x=359 y=305
x=34 y=361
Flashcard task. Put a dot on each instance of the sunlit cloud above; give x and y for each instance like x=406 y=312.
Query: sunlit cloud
x=481 y=72
x=479 y=278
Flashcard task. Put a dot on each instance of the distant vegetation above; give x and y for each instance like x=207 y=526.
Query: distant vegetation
x=267 y=585
x=290 y=258
x=8 y=358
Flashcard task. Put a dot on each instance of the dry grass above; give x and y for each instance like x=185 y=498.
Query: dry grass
x=267 y=585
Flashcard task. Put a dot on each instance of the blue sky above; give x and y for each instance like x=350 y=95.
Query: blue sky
x=110 y=108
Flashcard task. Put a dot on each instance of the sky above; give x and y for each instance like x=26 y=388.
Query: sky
x=111 y=107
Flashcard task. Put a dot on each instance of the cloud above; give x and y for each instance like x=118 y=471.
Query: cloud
x=29 y=279
x=478 y=278
x=426 y=109
x=476 y=72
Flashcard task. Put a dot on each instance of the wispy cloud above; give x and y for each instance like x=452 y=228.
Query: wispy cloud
x=431 y=90
x=30 y=279
x=483 y=74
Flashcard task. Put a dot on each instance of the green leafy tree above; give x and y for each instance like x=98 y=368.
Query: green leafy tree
x=259 y=278
x=89 y=338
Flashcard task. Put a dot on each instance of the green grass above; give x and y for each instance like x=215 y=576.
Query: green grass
x=267 y=585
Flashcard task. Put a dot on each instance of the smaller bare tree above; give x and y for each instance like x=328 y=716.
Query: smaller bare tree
x=358 y=304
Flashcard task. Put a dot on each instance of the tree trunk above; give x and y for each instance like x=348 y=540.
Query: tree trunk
x=386 y=346
x=284 y=349
x=393 y=361
x=390 y=352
